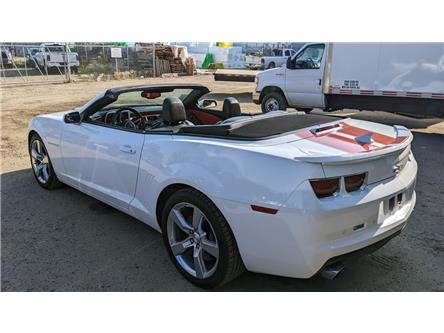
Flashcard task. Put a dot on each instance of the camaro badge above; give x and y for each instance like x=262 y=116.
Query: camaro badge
x=364 y=139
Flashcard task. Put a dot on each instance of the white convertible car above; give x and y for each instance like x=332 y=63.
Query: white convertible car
x=289 y=194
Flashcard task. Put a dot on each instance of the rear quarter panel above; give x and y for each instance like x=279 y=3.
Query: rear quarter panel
x=222 y=170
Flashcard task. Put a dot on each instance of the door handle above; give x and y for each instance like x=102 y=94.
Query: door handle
x=319 y=81
x=127 y=149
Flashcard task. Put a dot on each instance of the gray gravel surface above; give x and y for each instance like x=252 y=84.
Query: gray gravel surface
x=63 y=240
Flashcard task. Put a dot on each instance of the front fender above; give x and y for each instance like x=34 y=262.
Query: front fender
x=49 y=128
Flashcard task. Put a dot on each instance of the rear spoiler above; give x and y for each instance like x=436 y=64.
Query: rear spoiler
x=359 y=157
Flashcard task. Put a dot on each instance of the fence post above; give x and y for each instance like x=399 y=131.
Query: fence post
x=26 y=66
x=68 y=67
x=154 y=59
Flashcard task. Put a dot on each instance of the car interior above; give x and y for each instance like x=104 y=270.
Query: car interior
x=185 y=111
x=164 y=111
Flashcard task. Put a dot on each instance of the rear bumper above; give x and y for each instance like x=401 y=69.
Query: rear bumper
x=361 y=252
x=307 y=233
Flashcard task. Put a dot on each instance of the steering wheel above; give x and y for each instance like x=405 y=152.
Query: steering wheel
x=129 y=123
x=311 y=62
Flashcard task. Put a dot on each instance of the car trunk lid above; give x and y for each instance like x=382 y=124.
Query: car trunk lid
x=353 y=146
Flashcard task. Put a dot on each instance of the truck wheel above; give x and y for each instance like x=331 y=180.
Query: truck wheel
x=306 y=110
x=75 y=70
x=199 y=241
x=271 y=65
x=273 y=102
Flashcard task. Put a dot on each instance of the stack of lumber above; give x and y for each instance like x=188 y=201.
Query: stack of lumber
x=142 y=59
x=164 y=54
x=162 y=66
x=165 y=62
x=190 y=66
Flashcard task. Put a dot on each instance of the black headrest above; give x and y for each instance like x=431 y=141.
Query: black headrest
x=231 y=108
x=173 y=111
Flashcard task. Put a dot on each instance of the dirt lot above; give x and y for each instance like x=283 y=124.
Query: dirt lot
x=66 y=241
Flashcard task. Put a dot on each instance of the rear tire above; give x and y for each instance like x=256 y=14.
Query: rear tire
x=274 y=101
x=214 y=268
x=41 y=164
x=271 y=65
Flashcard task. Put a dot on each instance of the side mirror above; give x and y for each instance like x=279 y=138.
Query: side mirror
x=72 y=118
x=290 y=63
x=208 y=103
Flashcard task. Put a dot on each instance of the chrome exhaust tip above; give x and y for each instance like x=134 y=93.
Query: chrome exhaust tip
x=332 y=271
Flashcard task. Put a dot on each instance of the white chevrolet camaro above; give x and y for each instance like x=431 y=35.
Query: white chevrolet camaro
x=289 y=194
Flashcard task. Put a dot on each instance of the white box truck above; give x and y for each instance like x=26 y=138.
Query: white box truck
x=393 y=77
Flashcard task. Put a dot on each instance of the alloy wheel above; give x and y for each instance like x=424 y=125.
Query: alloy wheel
x=192 y=240
x=40 y=161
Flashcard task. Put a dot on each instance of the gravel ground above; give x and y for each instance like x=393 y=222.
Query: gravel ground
x=64 y=240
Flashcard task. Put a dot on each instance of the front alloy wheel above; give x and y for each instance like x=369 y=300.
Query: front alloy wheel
x=41 y=163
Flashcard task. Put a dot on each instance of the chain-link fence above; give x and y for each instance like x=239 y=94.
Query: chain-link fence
x=50 y=62
x=23 y=63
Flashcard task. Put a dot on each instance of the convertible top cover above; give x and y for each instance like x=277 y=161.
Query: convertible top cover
x=259 y=128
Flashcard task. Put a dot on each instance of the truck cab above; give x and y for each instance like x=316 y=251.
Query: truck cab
x=298 y=84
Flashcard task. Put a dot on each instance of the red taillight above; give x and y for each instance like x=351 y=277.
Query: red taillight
x=354 y=183
x=325 y=187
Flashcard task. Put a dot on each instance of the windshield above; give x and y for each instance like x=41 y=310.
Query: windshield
x=147 y=98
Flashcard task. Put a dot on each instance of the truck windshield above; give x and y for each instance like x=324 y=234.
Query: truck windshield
x=310 y=57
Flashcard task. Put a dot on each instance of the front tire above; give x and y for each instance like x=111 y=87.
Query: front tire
x=271 y=65
x=199 y=240
x=274 y=101
x=41 y=164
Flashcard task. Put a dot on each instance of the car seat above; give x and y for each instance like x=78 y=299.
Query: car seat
x=173 y=115
x=231 y=108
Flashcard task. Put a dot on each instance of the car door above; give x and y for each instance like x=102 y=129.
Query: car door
x=102 y=161
x=303 y=82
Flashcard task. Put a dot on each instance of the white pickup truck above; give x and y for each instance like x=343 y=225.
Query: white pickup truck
x=52 y=56
x=393 y=77
x=277 y=59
